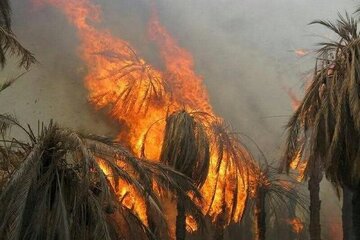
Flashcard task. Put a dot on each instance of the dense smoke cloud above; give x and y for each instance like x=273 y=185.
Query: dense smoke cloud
x=243 y=49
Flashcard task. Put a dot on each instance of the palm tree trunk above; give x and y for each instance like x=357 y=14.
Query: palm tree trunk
x=219 y=232
x=315 y=202
x=180 y=219
x=347 y=224
x=260 y=214
x=220 y=223
x=356 y=213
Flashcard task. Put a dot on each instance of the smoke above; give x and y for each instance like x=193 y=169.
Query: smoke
x=245 y=50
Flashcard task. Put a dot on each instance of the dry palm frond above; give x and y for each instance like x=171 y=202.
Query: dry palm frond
x=233 y=164
x=273 y=197
x=186 y=146
x=138 y=85
x=10 y=45
x=61 y=192
x=9 y=82
x=189 y=140
x=5 y=14
x=326 y=125
x=11 y=155
x=8 y=42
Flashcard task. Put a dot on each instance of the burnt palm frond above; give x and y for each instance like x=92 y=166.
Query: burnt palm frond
x=201 y=146
x=5 y=14
x=9 y=82
x=325 y=127
x=137 y=84
x=63 y=189
x=11 y=156
x=230 y=171
x=274 y=198
x=186 y=146
x=9 y=45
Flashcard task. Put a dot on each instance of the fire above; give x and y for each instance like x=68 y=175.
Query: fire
x=299 y=165
x=297 y=225
x=295 y=101
x=126 y=194
x=301 y=52
x=191 y=224
x=141 y=96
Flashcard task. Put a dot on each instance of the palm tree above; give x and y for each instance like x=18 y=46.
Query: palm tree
x=186 y=149
x=198 y=145
x=60 y=189
x=328 y=118
x=271 y=194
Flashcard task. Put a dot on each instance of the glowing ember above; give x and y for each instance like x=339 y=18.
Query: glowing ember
x=297 y=225
x=295 y=101
x=140 y=97
x=301 y=52
x=299 y=165
x=191 y=224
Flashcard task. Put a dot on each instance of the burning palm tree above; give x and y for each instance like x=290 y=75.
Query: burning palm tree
x=325 y=128
x=270 y=194
x=186 y=149
x=193 y=142
x=67 y=185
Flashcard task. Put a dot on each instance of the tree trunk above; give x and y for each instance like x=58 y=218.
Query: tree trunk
x=219 y=232
x=315 y=202
x=180 y=219
x=356 y=213
x=220 y=223
x=260 y=215
x=347 y=224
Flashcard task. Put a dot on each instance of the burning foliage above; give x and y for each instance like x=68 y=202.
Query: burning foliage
x=325 y=128
x=141 y=97
x=67 y=186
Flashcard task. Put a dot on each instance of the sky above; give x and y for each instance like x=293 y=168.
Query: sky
x=244 y=49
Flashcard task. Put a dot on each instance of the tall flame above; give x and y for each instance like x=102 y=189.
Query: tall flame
x=140 y=97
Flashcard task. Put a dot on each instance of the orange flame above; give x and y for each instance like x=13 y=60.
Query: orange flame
x=191 y=224
x=297 y=225
x=141 y=96
x=299 y=165
x=301 y=52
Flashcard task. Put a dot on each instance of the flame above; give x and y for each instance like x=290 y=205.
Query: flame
x=300 y=166
x=295 y=101
x=219 y=185
x=335 y=230
x=140 y=97
x=301 y=52
x=297 y=225
x=297 y=163
x=191 y=224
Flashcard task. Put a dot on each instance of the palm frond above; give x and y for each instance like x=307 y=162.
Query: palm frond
x=9 y=45
x=61 y=190
x=326 y=126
